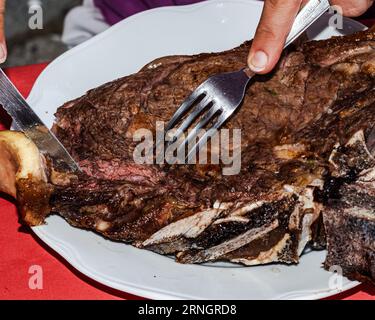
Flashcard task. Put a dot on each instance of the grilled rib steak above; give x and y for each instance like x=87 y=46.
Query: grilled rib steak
x=301 y=171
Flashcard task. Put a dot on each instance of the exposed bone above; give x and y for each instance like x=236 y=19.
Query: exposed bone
x=367 y=175
x=359 y=136
x=361 y=213
x=247 y=208
x=23 y=154
x=102 y=225
x=271 y=255
x=359 y=156
x=304 y=215
x=189 y=227
x=301 y=220
x=306 y=236
x=23 y=176
x=216 y=252
x=232 y=219
x=348 y=68
x=333 y=155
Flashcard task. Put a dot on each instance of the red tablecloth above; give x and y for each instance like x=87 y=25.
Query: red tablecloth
x=20 y=249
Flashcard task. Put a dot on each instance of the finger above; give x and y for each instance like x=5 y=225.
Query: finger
x=274 y=26
x=352 y=8
x=3 y=48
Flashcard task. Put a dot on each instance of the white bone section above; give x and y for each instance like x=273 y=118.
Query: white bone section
x=361 y=212
x=31 y=162
x=216 y=252
x=309 y=211
x=189 y=227
x=305 y=236
x=294 y=219
x=232 y=219
x=247 y=208
x=332 y=156
x=359 y=136
x=222 y=205
x=102 y=225
x=271 y=255
x=367 y=175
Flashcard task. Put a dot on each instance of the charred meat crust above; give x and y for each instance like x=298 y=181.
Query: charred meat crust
x=34 y=200
x=315 y=98
x=296 y=124
x=349 y=217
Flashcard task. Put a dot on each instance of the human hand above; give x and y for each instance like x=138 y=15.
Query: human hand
x=3 y=47
x=275 y=24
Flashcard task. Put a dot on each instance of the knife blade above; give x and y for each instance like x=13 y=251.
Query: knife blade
x=33 y=127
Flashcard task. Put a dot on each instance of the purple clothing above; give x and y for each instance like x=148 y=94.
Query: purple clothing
x=117 y=10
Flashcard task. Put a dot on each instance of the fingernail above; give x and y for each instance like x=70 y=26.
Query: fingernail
x=258 y=62
x=3 y=53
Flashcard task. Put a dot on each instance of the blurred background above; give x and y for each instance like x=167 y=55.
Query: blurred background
x=28 y=46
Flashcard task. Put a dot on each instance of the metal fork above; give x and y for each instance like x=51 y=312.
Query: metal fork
x=220 y=95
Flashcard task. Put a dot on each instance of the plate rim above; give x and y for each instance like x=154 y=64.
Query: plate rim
x=177 y=9
x=70 y=255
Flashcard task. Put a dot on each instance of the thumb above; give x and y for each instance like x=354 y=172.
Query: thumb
x=274 y=26
x=3 y=48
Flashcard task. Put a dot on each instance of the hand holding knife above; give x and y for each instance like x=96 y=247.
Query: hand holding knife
x=33 y=127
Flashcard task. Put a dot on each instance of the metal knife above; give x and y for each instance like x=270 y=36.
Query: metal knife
x=28 y=121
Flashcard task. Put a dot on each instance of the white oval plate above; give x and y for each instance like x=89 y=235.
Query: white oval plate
x=122 y=50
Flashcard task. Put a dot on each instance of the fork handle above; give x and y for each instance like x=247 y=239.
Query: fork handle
x=311 y=12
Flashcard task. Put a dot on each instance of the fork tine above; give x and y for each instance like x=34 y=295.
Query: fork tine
x=192 y=116
x=223 y=117
x=204 y=121
x=184 y=107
